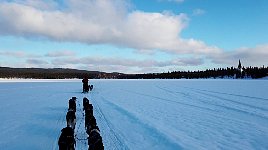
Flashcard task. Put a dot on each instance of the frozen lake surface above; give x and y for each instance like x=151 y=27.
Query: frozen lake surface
x=138 y=114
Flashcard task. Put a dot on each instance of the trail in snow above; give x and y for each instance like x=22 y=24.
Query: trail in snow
x=227 y=103
x=80 y=132
x=110 y=137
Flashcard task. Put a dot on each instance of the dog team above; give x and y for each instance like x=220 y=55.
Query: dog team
x=67 y=138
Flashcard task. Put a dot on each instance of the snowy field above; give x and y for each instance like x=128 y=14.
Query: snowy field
x=139 y=114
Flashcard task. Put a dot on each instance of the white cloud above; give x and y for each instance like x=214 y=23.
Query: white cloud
x=63 y=53
x=17 y=54
x=36 y=62
x=68 y=59
x=256 y=56
x=40 y=4
x=110 y=64
x=93 y=22
x=126 y=62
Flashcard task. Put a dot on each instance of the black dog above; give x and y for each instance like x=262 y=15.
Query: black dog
x=94 y=139
x=72 y=104
x=87 y=88
x=88 y=112
x=90 y=122
x=85 y=102
x=90 y=87
x=66 y=140
x=89 y=118
x=71 y=119
x=88 y=108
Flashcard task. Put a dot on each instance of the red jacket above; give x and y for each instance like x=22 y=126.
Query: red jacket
x=85 y=81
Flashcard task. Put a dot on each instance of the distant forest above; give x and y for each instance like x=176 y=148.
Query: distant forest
x=232 y=73
x=60 y=73
x=55 y=73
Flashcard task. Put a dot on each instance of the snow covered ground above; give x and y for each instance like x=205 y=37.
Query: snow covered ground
x=138 y=114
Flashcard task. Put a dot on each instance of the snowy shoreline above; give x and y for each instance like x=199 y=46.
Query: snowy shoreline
x=79 y=80
x=38 y=80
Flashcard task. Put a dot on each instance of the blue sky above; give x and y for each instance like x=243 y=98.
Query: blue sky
x=133 y=36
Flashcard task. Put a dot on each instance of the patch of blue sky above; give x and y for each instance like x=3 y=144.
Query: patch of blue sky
x=11 y=61
x=231 y=24
x=157 y=6
x=226 y=24
x=35 y=46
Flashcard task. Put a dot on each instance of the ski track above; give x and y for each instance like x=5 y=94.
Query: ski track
x=208 y=93
x=219 y=101
x=222 y=93
x=147 y=129
x=213 y=96
x=223 y=103
x=111 y=139
x=233 y=101
x=170 y=101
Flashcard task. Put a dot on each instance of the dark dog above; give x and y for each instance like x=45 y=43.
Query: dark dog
x=94 y=139
x=90 y=87
x=90 y=122
x=71 y=119
x=88 y=112
x=85 y=102
x=88 y=108
x=87 y=88
x=72 y=104
x=66 y=140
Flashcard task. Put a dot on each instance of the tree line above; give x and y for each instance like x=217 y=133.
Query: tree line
x=55 y=73
x=229 y=72
x=61 y=73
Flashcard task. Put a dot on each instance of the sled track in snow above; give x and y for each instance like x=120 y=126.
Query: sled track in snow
x=215 y=96
x=168 y=100
x=116 y=142
x=157 y=135
x=81 y=136
x=206 y=93
x=230 y=100
x=219 y=101
x=220 y=104
x=222 y=93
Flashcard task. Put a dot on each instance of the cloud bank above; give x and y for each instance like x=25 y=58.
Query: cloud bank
x=256 y=56
x=68 y=59
x=64 y=53
x=111 y=64
x=94 y=22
